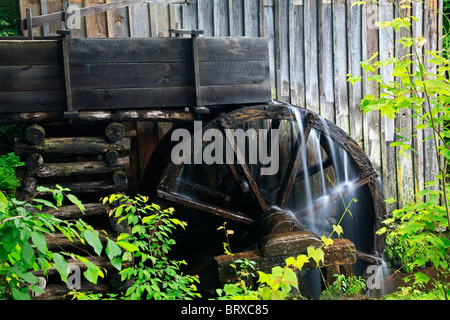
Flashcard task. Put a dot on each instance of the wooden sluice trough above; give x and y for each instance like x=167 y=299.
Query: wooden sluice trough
x=76 y=99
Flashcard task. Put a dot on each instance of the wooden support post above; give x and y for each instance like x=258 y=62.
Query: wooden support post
x=69 y=113
x=44 y=11
x=29 y=17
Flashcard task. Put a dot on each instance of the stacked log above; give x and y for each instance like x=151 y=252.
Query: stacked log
x=91 y=167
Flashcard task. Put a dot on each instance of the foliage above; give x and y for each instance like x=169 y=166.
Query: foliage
x=147 y=245
x=7 y=134
x=345 y=287
x=415 y=293
x=9 y=18
x=420 y=227
x=23 y=246
x=8 y=179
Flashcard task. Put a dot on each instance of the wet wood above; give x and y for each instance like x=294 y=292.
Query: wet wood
x=289 y=243
x=71 y=146
x=240 y=160
x=228 y=214
x=342 y=252
x=195 y=187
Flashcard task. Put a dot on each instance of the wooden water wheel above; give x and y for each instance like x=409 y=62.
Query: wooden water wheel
x=320 y=169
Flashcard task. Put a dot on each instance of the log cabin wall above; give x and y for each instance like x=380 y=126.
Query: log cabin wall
x=313 y=45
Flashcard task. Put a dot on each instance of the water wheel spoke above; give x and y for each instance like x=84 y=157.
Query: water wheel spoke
x=204 y=190
x=294 y=165
x=335 y=194
x=274 y=125
x=243 y=165
x=205 y=207
x=312 y=170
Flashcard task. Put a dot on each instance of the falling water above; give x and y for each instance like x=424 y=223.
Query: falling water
x=378 y=283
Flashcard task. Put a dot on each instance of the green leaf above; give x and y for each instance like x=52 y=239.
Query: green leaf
x=338 y=229
x=93 y=272
x=58 y=196
x=3 y=202
x=421 y=277
x=76 y=202
x=289 y=277
x=27 y=254
x=21 y=294
x=128 y=246
x=112 y=249
x=46 y=203
x=316 y=254
x=61 y=265
x=93 y=241
x=39 y=241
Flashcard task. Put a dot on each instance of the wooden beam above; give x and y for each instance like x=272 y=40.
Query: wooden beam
x=56 y=17
x=205 y=207
x=100 y=116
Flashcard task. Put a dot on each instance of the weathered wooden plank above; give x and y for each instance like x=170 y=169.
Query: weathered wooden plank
x=389 y=154
x=117 y=22
x=60 y=16
x=96 y=23
x=131 y=75
x=372 y=143
x=417 y=29
x=234 y=72
x=31 y=78
x=131 y=50
x=32 y=101
x=235 y=94
x=139 y=23
x=405 y=169
x=311 y=60
x=282 y=43
x=430 y=32
x=133 y=98
x=354 y=31
x=26 y=52
x=232 y=49
x=340 y=65
x=326 y=65
x=296 y=54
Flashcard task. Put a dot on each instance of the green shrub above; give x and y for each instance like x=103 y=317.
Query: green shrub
x=148 y=243
x=8 y=180
x=23 y=246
